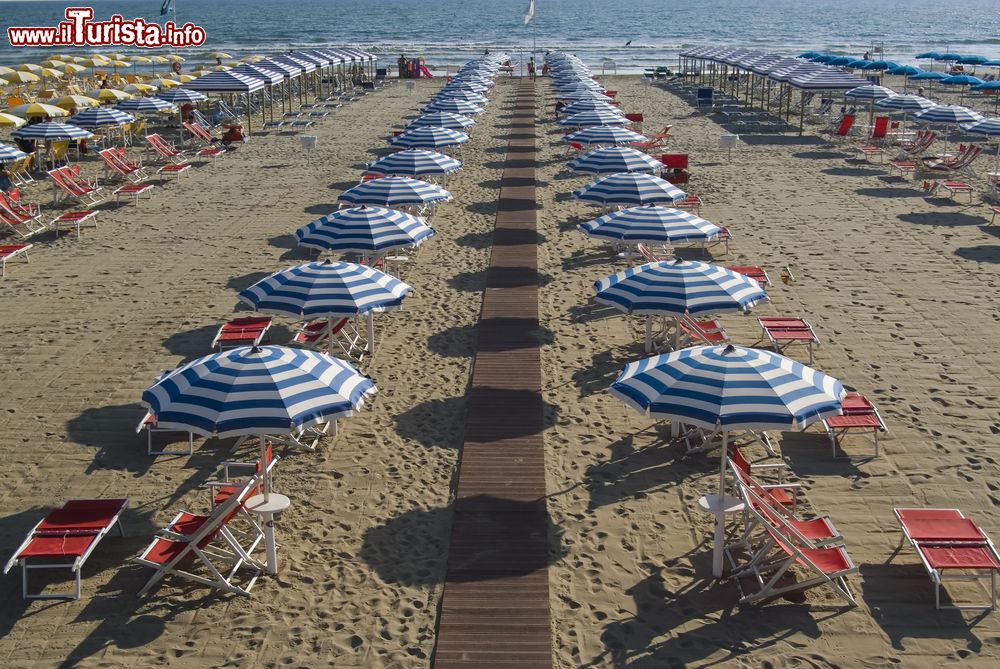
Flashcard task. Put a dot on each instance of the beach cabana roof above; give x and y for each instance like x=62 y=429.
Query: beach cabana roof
x=288 y=70
x=292 y=61
x=224 y=82
x=264 y=74
x=827 y=80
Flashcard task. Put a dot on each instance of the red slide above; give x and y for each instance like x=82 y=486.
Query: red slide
x=424 y=72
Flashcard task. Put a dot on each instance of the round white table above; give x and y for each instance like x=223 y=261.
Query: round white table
x=266 y=509
x=712 y=504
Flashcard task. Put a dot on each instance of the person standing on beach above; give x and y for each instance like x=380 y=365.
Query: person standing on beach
x=402 y=65
x=531 y=67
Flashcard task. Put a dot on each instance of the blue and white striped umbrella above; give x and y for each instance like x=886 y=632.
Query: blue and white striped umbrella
x=415 y=163
x=429 y=136
x=454 y=106
x=443 y=120
x=954 y=114
x=97 y=117
x=729 y=388
x=567 y=86
x=8 y=152
x=581 y=95
x=989 y=127
x=604 y=134
x=364 y=230
x=595 y=117
x=629 y=188
x=326 y=289
x=51 y=130
x=153 y=105
x=474 y=85
x=678 y=287
x=608 y=160
x=870 y=92
x=257 y=390
x=905 y=103
x=590 y=105
x=651 y=223
x=394 y=191
x=180 y=95
x=468 y=96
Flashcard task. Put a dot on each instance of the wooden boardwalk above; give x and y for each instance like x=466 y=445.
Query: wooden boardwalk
x=495 y=607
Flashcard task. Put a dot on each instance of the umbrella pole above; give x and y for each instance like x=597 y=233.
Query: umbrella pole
x=371 y=333
x=329 y=336
x=266 y=475
x=720 y=515
x=802 y=115
x=677 y=333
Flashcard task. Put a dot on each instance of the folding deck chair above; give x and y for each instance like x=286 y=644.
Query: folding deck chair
x=228 y=485
x=784 y=331
x=116 y=162
x=65 y=538
x=703 y=331
x=952 y=187
x=783 y=494
x=947 y=541
x=959 y=164
x=316 y=335
x=248 y=331
x=813 y=532
x=210 y=543
x=860 y=415
x=176 y=162
x=755 y=272
x=8 y=251
x=844 y=128
x=75 y=220
x=12 y=201
x=690 y=202
x=23 y=227
x=68 y=186
x=879 y=131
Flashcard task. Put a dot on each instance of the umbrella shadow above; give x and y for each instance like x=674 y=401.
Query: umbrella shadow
x=501 y=538
x=808 y=452
x=463 y=341
x=888 y=192
x=852 y=171
x=283 y=241
x=591 y=311
x=985 y=253
x=320 y=209
x=821 y=155
x=241 y=283
x=111 y=431
x=486 y=208
x=947 y=219
x=342 y=185
x=603 y=369
x=589 y=259
x=499 y=277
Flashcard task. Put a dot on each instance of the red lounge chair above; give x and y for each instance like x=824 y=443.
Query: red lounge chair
x=148 y=423
x=947 y=541
x=951 y=186
x=690 y=202
x=75 y=220
x=134 y=191
x=8 y=251
x=812 y=532
x=12 y=201
x=860 y=415
x=903 y=166
x=65 y=538
x=23 y=227
x=959 y=164
x=706 y=331
x=208 y=540
x=317 y=335
x=846 y=123
x=227 y=485
x=635 y=122
x=249 y=331
x=754 y=272
x=66 y=183
x=785 y=331
x=783 y=494
x=116 y=161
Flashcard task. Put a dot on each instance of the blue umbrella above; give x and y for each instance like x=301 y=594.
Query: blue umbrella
x=8 y=152
x=881 y=65
x=952 y=114
x=152 y=105
x=51 y=130
x=931 y=55
x=905 y=103
x=650 y=223
x=429 y=137
x=809 y=54
x=822 y=58
x=615 y=159
x=905 y=70
x=454 y=106
x=395 y=192
x=962 y=80
x=992 y=63
x=581 y=95
x=859 y=64
x=96 y=117
x=595 y=117
x=840 y=60
x=989 y=127
x=870 y=92
x=948 y=56
x=181 y=94
x=415 y=162
x=257 y=390
x=973 y=60
x=986 y=86
x=604 y=134
x=729 y=389
x=365 y=230
x=443 y=120
x=928 y=74
x=633 y=188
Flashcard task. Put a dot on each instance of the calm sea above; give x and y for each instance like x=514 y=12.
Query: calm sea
x=449 y=32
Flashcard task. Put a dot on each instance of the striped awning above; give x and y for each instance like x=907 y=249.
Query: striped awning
x=224 y=82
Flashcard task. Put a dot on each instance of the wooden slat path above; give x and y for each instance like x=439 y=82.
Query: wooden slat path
x=495 y=607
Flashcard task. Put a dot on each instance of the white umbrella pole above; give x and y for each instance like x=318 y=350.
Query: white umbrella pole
x=263 y=468
x=720 y=513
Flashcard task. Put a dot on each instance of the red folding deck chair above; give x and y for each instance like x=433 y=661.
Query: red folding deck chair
x=860 y=415
x=690 y=202
x=703 y=331
x=755 y=272
x=248 y=331
x=813 y=532
x=176 y=162
x=116 y=161
x=75 y=220
x=781 y=493
x=23 y=227
x=8 y=251
x=323 y=334
x=946 y=541
x=879 y=130
x=846 y=123
x=12 y=201
x=227 y=485
x=68 y=187
x=784 y=331
x=65 y=538
x=952 y=187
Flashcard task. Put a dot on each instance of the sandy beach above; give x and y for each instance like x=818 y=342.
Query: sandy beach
x=900 y=288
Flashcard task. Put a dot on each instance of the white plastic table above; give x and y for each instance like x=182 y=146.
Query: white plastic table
x=266 y=510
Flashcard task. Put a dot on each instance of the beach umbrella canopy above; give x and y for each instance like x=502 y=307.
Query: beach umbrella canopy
x=225 y=82
x=5 y=70
x=809 y=54
x=824 y=58
x=52 y=130
x=582 y=95
x=219 y=54
x=460 y=94
x=268 y=76
x=415 y=162
x=181 y=94
x=652 y=224
x=928 y=74
x=78 y=101
x=140 y=89
x=633 y=188
x=20 y=77
x=468 y=85
x=365 y=230
x=973 y=60
x=8 y=152
x=51 y=73
x=870 y=92
x=326 y=289
x=11 y=121
x=152 y=105
x=993 y=63
x=928 y=55
x=905 y=103
x=948 y=114
x=604 y=134
x=595 y=117
x=678 y=287
x=454 y=106
x=443 y=120
x=257 y=391
x=840 y=60
x=429 y=137
x=72 y=68
x=609 y=160
x=590 y=105
x=101 y=116
x=961 y=80
x=394 y=192
x=164 y=83
x=859 y=64
x=728 y=388
x=987 y=86
x=109 y=95
x=905 y=70
x=37 y=109
x=881 y=65
x=989 y=127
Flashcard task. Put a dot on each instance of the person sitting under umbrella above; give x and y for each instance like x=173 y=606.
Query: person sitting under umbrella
x=233 y=134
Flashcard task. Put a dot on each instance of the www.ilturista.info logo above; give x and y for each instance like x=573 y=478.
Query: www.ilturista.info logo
x=79 y=30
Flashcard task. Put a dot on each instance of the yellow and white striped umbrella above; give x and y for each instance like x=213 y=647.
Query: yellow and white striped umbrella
x=37 y=109
x=73 y=68
x=120 y=63
x=109 y=94
x=51 y=73
x=53 y=62
x=219 y=54
x=164 y=83
x=11 y=121
x=174 y=58
x=29 y=67
x=21 y=78
x=78 y=101
x=139 y=59
x=95 y=62
x=6 y=70
x=159 y=59
x=184 y=78
x=140 y=89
